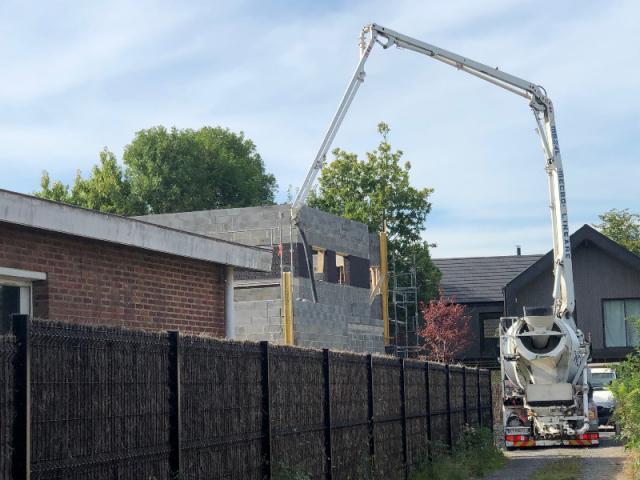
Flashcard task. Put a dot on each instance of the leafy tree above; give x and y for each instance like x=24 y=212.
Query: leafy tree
x=377 y=192
x=623 y=227
x=446 y=329
x=169 y=171
x=626 y=389
x=56 y=191
x=183 y=170
x=106 y=189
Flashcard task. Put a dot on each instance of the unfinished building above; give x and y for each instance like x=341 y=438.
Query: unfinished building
x=326 y=269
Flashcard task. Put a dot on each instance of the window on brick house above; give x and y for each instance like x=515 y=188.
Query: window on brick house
x=619 y=326
x=340 y=265
x=15 y=293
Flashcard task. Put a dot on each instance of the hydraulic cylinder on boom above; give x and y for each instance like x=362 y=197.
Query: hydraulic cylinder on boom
x=543 y=355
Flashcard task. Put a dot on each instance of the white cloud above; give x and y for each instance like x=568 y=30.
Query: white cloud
x=105 y=70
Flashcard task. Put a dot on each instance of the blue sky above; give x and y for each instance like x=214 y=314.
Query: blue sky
x=78 y=76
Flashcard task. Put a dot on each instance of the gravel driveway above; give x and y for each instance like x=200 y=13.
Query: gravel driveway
x=598 y=463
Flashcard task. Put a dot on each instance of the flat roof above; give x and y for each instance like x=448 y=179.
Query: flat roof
x=30 y=211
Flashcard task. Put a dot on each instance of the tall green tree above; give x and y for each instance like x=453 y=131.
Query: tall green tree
x=377 y=192
x=623 y=227
x=106 y=189
x=168 y=171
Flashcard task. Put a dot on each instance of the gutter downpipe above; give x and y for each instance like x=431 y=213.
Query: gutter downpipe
x=229 y=321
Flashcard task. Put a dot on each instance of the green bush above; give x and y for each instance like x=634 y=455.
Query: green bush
x=626 y=390
x=283 y=472
x=475 y=455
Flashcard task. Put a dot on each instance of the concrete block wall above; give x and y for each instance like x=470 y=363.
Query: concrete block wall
x=335 y=233
x=258 y=311
x=343 y=318
x=259 y=320
x=250 y=226
x=263 y=225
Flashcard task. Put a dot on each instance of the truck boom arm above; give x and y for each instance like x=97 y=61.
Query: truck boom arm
x=563 y=290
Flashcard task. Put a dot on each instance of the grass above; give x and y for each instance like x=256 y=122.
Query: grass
x=632 y=466
x=475 y=456
x=287 y=473
x=562 y=469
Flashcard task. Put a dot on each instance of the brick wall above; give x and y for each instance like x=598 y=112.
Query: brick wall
x=90 y=281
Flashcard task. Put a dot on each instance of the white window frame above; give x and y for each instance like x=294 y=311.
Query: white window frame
x=23 y=279
x=626 y=331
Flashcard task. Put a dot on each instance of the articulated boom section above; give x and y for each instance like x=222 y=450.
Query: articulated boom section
x=543 y=355
x=544 y=114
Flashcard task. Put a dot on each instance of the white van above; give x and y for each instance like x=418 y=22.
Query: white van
x=600 y=379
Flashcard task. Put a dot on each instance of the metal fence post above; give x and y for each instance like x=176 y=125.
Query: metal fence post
x=175 y=409
x=448 y=392
x=372 y=450
x=464 y=394
x=490 y=401
x=266 y=414
x=21 y=325
x=428 y=398
x=326 y=369
x=403 y=413
x=479 y=399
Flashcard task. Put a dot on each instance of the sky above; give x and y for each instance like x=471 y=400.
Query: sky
x=79 y=76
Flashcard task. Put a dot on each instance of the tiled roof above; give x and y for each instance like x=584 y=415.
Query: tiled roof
x=480 y=279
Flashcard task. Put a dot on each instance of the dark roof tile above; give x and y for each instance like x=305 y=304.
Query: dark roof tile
x=480 y=279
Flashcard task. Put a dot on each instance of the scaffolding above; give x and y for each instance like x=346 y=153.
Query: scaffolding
x=404 y=301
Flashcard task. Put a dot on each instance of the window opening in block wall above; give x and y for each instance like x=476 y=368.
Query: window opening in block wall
x=340 y=265
x=374 y=280
x=318 y=259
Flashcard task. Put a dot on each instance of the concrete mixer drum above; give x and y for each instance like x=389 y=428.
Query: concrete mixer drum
x=543 y=361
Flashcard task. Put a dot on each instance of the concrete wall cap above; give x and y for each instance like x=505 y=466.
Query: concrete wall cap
x=29 y=211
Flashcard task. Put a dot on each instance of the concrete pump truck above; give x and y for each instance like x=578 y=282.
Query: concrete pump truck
x=543 y=355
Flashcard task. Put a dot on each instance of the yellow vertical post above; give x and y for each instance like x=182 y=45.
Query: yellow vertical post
x=287 y=307
x=384 y=287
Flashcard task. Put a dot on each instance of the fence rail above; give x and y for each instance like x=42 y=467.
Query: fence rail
x=103 y=403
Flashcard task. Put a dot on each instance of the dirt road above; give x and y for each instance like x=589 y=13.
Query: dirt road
x=603 y=462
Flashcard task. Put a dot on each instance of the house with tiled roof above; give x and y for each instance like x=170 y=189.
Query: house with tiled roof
x=607 y=291
x=478 y=283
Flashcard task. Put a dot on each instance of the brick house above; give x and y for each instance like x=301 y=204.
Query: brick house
x=72 y=264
